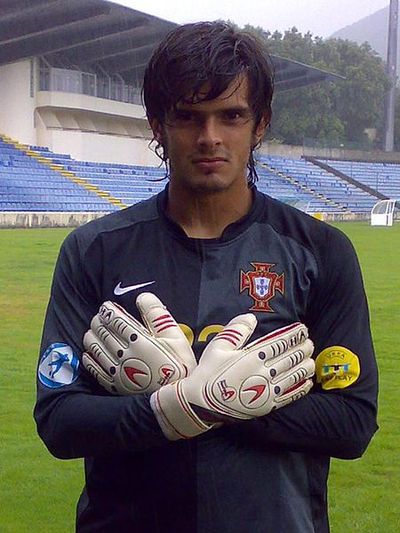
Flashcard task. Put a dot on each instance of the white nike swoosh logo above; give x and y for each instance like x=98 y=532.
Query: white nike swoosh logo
x=118 y=291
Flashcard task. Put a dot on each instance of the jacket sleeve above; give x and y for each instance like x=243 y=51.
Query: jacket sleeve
x=338 y=418
x=75 y=417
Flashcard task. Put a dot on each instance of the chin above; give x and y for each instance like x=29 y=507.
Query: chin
x=209 y=185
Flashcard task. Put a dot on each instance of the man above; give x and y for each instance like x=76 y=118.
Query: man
x=187 y=455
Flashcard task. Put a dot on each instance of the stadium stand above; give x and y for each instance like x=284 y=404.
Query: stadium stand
x=35 y=179
x=127 y=183
x=340 y=195
x=383 y=177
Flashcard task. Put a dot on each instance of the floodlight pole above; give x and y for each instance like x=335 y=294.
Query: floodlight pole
x=391 y=70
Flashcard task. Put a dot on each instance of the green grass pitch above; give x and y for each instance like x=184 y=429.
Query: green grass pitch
x=38 y=492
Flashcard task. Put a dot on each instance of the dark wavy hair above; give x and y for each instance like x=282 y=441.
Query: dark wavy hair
x=206 y=52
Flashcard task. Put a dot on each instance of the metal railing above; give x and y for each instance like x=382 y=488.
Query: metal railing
x=79 y=82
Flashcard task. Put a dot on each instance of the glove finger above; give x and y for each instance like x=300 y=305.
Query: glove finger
x=298 y=374
x=236 y=333
x=100 y=341
x=165 y=331
x=282 y=364
x=129 y=375
x=157 y=318
x=97 y=371
x=119 y=322
x=280 y=340
x=294 y=393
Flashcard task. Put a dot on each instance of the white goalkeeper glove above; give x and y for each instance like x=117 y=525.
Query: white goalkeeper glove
x=235 y=382
x=126 y=357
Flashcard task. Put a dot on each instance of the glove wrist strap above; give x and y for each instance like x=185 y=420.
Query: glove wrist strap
x=174 y=413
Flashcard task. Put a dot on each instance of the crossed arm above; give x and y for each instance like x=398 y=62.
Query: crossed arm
x=82 y=419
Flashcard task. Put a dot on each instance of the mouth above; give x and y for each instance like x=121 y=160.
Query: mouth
x=209 y=163
x=208 y=159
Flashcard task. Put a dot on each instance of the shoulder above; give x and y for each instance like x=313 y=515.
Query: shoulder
x=316 y=235
x=119 y=221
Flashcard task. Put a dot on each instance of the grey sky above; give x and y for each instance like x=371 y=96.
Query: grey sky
x=321 y=17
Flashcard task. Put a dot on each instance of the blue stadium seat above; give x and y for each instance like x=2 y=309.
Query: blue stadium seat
x=26 y=184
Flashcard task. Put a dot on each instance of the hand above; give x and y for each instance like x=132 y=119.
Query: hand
x=235 y=381
x=127 y=358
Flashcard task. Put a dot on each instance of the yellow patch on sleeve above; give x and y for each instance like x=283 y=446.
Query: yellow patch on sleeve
x=337 y=367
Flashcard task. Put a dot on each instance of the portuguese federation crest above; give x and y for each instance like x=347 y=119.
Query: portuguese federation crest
x=262 y=285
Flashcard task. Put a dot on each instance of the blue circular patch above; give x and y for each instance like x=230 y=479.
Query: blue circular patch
x=58 y=366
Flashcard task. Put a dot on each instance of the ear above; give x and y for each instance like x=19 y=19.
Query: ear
x=157 y=130
x=259 y=131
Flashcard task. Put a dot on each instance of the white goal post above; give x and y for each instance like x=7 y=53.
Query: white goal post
x=383 y=213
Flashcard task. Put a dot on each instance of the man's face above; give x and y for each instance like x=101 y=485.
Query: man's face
x=209 y=143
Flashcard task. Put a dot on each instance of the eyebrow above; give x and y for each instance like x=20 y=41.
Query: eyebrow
x=232 y=108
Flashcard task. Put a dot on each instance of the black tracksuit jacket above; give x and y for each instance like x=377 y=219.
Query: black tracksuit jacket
x=267 y=475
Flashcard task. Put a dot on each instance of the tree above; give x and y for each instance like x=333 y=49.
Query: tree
x=333 y=112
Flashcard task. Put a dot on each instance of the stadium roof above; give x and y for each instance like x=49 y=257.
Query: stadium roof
x=105 y=35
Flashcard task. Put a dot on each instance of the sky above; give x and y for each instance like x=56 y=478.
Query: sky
x=320 y=17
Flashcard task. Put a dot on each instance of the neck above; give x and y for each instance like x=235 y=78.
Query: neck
x=205 y=215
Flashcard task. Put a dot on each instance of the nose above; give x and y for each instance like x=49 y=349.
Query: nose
x=209 y=134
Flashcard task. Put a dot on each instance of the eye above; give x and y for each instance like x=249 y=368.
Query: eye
x=232 y=115
x=235 y=116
